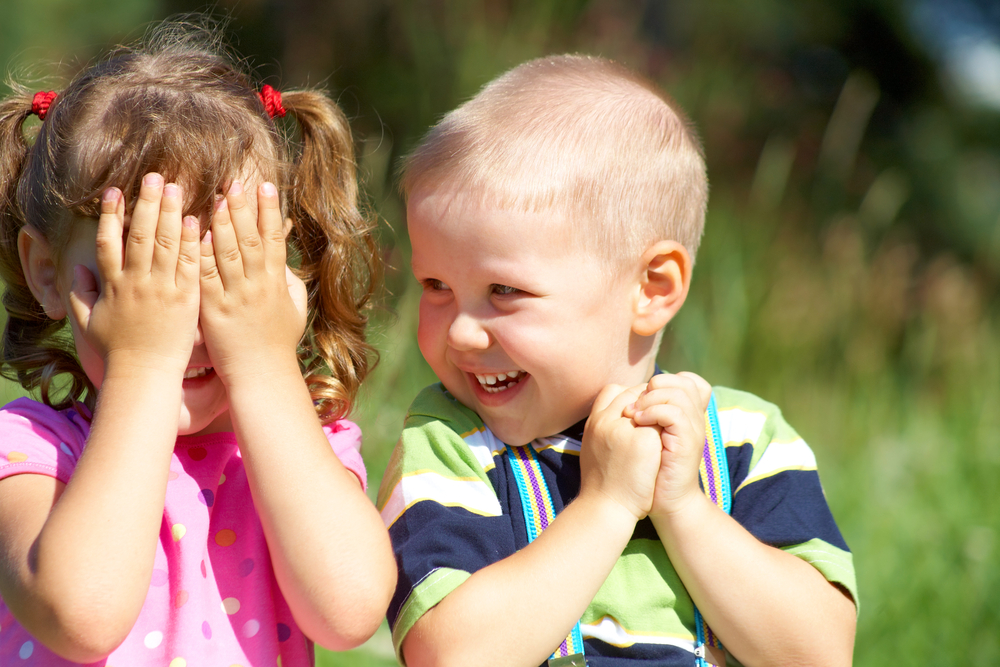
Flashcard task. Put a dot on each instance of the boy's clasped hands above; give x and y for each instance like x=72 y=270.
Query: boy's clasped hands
x=642 y=445
x=159 y=293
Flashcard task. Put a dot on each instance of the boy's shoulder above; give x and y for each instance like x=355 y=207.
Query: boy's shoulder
x=434 y=404
x=746 y=419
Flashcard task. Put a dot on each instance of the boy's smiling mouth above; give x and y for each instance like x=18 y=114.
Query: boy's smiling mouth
x=494 y=384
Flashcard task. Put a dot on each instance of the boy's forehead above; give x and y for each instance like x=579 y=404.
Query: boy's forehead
x=447 y=207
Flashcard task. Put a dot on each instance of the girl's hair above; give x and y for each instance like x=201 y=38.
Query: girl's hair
x=180 y=105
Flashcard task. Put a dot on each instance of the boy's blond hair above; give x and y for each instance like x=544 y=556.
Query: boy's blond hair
x=581 y=134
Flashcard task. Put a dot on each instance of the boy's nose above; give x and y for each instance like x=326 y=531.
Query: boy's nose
x=467 y=333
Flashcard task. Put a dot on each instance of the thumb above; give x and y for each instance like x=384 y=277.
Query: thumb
x=83 y=294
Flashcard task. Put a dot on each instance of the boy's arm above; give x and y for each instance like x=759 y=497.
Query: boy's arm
x=766 y=605
x=517 y=610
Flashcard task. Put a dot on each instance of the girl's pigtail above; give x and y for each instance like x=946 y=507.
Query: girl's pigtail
x=339 y=261
x=34 y=348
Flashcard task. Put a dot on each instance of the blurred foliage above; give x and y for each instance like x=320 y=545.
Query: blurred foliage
x=848 y=271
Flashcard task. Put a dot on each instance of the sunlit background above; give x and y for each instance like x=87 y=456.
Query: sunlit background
x=851 y=260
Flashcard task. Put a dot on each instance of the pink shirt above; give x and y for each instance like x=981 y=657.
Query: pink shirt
x=213 y=598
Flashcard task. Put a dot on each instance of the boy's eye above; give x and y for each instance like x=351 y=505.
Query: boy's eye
x=505 y=290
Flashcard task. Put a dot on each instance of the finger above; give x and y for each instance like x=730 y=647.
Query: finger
x=211 y=281
x=168 y=230
x=674 y=395
x=669 y=416
x=271 y=226
x=142 y=230
x=110 y=226
x=702 y=387
x=616 y=398
x=83 y=294
x=245 y=230
x=189 y=254
x=228 y=260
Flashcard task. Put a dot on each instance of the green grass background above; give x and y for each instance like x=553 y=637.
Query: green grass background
x=848 y=273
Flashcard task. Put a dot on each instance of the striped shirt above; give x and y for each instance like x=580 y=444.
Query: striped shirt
x=451 y=505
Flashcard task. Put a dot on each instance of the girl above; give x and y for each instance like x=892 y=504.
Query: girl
x=190 y=500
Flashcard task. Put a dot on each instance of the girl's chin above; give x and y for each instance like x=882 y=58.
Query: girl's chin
x=190 y=425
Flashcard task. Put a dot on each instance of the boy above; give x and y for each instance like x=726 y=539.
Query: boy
x=554 y=220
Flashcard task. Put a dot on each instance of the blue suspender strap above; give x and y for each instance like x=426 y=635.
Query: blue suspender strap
x=714 y=472
x=536 y=503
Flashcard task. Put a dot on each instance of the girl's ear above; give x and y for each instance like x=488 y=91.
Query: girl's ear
x=663 y=286
x=39 y=268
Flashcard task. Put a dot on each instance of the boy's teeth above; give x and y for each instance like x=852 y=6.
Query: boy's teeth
x=196 y=372
x=497 y=383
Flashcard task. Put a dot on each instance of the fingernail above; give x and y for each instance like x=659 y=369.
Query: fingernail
x=208 y=237
x=220 y=202
x=269 y=190
x=111 y=194
x=170 y=190
x=236 y=188
x=191 y=222
x=152 y=180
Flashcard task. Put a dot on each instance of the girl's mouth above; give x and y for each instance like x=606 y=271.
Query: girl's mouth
x=494 y=384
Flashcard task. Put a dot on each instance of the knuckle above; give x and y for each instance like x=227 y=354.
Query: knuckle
x=137 y=236
x=166 y=242
x=231 y=255
x=250 y=241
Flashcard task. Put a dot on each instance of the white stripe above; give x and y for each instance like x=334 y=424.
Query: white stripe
x=610 y=632
x=739 y=426
x=780 y=456
x=474 y=495
x=484 y=446
x=560 y=443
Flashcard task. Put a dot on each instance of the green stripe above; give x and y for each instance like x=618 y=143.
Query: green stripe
x=434 y=587
x=835 y=564
x=644 y=594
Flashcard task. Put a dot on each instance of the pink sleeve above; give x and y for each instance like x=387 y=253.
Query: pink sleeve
x=345 y=438
x=36 y=439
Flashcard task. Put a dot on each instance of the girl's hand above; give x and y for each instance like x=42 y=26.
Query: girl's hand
x=618 y=458
x=675 y=403
x=252 y=307
x=145 y=310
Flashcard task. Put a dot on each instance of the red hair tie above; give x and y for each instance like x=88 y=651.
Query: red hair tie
x=41 y=102
x=271 y=99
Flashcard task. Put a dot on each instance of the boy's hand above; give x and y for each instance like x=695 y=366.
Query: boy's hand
x=619 y=459
x=145 y=309
x=253 y=309
x=675 y=403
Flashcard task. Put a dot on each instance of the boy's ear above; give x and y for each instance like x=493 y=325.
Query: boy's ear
x=663 y=286
x=39 y=268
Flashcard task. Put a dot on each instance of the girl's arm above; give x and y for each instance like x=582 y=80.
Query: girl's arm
x=331 y=553
x=767 y=606
x=518 y=610
x=76 y=560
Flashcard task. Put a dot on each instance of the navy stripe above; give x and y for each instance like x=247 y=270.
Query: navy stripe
x=787 y=508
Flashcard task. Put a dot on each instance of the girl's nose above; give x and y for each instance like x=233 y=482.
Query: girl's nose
x=467 y=333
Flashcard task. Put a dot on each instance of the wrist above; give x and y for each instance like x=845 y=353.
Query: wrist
x=607 y=513
x=682 y=513
x=136 y=366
